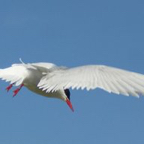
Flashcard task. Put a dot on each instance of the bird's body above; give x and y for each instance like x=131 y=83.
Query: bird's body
x=52 y=81
x=33 y=78
x=30 y=75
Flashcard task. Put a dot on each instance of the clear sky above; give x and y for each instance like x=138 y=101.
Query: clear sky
x=72 y=33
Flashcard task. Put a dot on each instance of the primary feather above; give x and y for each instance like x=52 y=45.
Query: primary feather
x=95 y=76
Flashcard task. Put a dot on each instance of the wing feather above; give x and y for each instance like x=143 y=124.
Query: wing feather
x=108 y=86
x=15 y=74
x=95 y=76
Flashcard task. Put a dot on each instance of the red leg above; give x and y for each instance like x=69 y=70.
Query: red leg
x=17 y=90
x=9 y=87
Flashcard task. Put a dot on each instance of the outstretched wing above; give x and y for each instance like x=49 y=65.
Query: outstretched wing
x=95 y=76
x=15 y=74
x=44 y=67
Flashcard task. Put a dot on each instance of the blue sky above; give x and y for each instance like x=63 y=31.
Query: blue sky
x=72 y=33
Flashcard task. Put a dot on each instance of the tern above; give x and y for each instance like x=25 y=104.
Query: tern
x=53 y=81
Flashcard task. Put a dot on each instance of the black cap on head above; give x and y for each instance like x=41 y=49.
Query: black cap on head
x=67 y=92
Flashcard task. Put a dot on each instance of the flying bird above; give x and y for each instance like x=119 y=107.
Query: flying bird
x=52 y=81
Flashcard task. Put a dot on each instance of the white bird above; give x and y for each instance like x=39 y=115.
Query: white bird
x=52 y=81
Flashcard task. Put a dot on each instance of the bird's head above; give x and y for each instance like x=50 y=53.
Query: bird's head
x=67 y=93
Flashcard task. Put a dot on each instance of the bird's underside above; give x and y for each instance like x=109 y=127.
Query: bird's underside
x=52 y=81
x=56 y=94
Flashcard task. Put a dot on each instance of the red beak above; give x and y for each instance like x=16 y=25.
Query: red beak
x=69 y=104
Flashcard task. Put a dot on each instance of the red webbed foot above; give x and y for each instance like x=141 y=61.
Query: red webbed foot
x=9 y=87
x=17 y=90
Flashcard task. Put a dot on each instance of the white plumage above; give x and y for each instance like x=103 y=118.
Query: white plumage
x=49 y=80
